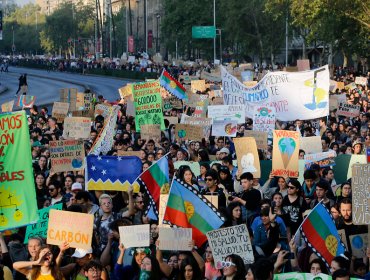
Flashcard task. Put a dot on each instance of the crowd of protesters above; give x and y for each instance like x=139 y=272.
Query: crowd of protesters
x=272 y=210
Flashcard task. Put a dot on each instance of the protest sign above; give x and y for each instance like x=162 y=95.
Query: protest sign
x=40 y=229
x=17 y=191
x=84 y=113
x=264 y=119
x=60 y=111
x=216 y=93
x=361 y=81
x=125 y=91
x=103 y=110
x=247 y=155
x=172 y=120
x=348 y=110
x=198 y=85
x=201 y=107
x=230 y=240
x=67 y=155
x=135 y=236
x=148 y=104
x=340 y=85
x=225 y=127
x=77 y=128
x=280 y=89
x=63 y=227
x=343 y=237
x=172 y=102
x=303 y=64
x=84 y=101
x=360 y=191
x=227 y=111
x=130 y=107
x=323 y=159
x=206 y=123
x=175 y=239
x=69 y=95
x=7 y=106
x=259 y=136
x=302 y=276
x=150 y=131
x=350 y=86
x=128 y=153
x=247 y=76
x=358 y=244
x=285 y=153
x=26 y=101
x=190 y=132
x=217 y=101
x=311 y=145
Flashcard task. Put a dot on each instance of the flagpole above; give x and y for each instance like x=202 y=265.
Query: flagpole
x=320 y=202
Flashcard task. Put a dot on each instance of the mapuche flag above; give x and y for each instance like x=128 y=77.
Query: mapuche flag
x=320 y=233
x=187 y=208
x=172 y=85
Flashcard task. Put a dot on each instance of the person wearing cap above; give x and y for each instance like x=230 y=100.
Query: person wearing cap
x=76 y=187
x=322 y=188
x=224 y=152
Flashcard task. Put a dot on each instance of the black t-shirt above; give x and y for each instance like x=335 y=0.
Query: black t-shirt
x=252 y=198
x=221 y=196
x=294 y=210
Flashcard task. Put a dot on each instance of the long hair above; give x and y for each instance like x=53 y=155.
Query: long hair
x=239 y=263
x=197 y=274
x=156 y=271
x=36 y=270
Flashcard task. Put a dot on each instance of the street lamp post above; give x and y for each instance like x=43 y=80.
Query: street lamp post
x=156 y=43
x=214 y=24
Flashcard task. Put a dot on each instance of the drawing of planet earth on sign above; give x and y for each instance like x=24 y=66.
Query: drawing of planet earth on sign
x=181 y=133
x=230 y=129
x=287 y=147
x=77 y=163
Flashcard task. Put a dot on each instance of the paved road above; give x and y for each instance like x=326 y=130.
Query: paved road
x=45 y=86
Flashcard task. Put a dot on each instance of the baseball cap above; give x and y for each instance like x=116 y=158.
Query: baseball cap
x=76 y=187
x=225 y=150
x=80 y=253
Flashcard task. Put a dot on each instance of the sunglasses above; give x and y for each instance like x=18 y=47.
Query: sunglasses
x=209 y=179
x=224 y=264
x=51 y=190
x=140 y=202
x=291 y=187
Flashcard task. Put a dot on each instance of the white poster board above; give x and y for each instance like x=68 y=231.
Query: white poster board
x=135 y=236
x=175 y=239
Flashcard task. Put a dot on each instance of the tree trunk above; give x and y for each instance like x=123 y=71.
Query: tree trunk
x=330 y=57
x=345 y=59
x=304 y=51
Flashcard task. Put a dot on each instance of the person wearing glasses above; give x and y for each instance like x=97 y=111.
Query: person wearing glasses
x=212 y=187
x=93 y=270
x=55 y=188
x=233 y=268
x=294 y=206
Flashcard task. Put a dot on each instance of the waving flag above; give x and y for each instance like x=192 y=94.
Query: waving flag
x=111 y=172
x=172 y=85
x=187 y=208
x=156 y=181
x=320 y=233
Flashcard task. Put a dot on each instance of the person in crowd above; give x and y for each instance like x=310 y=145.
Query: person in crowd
x=317 y=266
x=234 y=214
x=322 y=188
x=149 y=269
x=345 y=190
x=211 y=272
x=212 y=187
x=55 y=192
x=93 y=270
x=189 y=270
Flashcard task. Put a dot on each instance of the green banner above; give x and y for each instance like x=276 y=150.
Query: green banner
x=148 y=104
x=303 y=276
x=18 y=205
x=40 y=229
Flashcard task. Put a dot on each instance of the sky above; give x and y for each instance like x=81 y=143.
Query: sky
x=22 y=2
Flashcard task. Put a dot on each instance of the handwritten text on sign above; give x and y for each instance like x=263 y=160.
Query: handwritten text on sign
x=135 y=236
x=177 y=239
x=64 y=228
x=360 y=196
x=230 y=240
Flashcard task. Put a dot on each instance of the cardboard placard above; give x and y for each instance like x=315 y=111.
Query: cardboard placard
x=26 y=101
x=172 y=120
x=259 y=136
x=348 y=110
x=340 y=85
x=135 y=236
x=175 y=239
x=303 y=64
x=358 y=244
x=360 y=191
x=84 y=101
x=285 y=153
x=361 y=81
x=77 y=128
x=201 y=107
x=206 y=123
x=84 y=113
x=198 y=85
x=311 y=145
x=125 y=91
x=64 y=228
x=69 y=95
x=350 y=86
x=67 y=155
x=60 y=111
x=190 y=132
x=7 y=106
x=323 y=159
x=264 y=119
x=40 y=229
x=172 y=102
x=128 y=153
x=247 y=155
x=151 y=131
x=227 y=111
x=230 y=240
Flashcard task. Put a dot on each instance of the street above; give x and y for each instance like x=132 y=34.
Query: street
x=45 y=86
